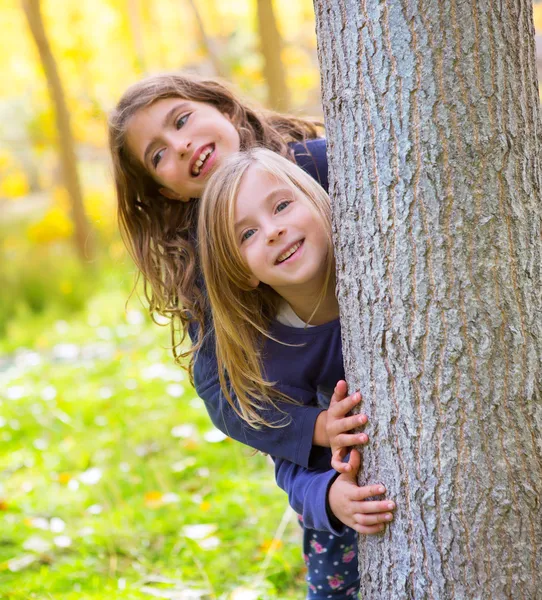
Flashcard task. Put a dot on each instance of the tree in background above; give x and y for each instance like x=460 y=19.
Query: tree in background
x=271 y=46
x=433 y=121
x=68 y=159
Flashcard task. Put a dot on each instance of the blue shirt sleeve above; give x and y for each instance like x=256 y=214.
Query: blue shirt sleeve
x=307 y=493
x=292 y=441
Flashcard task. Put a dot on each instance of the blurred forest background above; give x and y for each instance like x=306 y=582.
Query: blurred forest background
x=113 y=482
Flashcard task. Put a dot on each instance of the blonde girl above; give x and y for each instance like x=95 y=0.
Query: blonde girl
x=267 y=258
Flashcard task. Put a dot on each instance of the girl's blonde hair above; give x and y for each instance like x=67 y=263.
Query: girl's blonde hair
x=241 y=313
x=159 y=233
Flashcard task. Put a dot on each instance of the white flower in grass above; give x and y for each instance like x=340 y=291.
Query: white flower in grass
x=161 y=320
x=213 y=436
x=104 y=333
x=62 y=327
x=196 y=402
x=63 y=541
x=244 y=594
x=95 y=509
x=65 y=351
x=48 y=393
x=209 y=543
x=39 y=523
x=183 y=431
x=40 y=444
x=135 y=317
x=175 y=390
x=20 y=563
x=199 y=532
x=170 y=498
x=73 y=485
x=181 y=465
x=105 y=392
x=57 y=525
x=91 y=476
x=2 y=422
x=155 y=371
x=130 y=384
x=15 y=392
x=35 y=543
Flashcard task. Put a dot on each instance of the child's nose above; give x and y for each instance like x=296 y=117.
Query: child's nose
x=274 y=233
x=182 y=145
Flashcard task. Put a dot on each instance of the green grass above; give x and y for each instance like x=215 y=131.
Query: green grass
x=108 y=458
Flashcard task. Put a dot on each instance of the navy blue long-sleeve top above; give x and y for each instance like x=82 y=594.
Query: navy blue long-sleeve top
x=292 y=442
x=306 y=369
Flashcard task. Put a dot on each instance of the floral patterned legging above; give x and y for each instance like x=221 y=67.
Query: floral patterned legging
x=332 y=564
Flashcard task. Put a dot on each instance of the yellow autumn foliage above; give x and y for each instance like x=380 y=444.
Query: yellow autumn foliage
x=54 y=227
x=13 y=185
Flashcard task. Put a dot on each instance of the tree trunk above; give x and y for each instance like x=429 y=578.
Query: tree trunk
x=271 y=47
x=136 y=31
x=434 y=131
x=207 y=42
x=83 y=240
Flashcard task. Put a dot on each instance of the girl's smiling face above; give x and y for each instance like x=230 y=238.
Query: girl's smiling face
x=180 y=142
x=282 y=239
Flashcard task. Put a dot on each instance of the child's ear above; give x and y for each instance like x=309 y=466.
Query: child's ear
x=167 y=193
x=253 y=282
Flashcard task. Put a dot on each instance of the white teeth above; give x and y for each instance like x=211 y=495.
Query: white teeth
x=288 y=253
x=201 y=159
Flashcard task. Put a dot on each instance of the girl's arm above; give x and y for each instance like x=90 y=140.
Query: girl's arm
x=293 y=441
x=329 y=501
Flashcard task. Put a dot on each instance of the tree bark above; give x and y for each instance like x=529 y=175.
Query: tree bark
x=433 y=125
x=271 y=47
x=83 y=240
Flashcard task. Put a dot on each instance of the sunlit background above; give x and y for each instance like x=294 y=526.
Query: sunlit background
x=113 y=482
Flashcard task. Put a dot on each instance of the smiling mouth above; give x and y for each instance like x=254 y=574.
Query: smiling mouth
x=290 y=252
x=201 y=160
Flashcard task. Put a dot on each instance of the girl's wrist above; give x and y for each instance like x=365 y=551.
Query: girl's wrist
x=320 y=437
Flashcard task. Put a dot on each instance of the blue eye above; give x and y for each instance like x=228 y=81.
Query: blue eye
x=282 y=205
x=248 y=234
x=181 y=121
x=157 y=158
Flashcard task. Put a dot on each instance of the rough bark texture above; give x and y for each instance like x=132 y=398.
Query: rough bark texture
x=433 y=122
x=68 y=159
x=271 y=46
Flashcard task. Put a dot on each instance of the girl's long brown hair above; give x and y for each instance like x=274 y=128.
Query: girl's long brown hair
x=241 y=313
x=160 y=233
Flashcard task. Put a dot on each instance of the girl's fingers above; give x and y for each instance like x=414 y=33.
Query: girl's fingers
x=352 y=439
x=340 y=425
x=340 y=466
x=337 y=461
x=369 y=507
x=339 y=393
x=366 y=491
x=368 y=520
x=339 y=407
x=369 y=530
